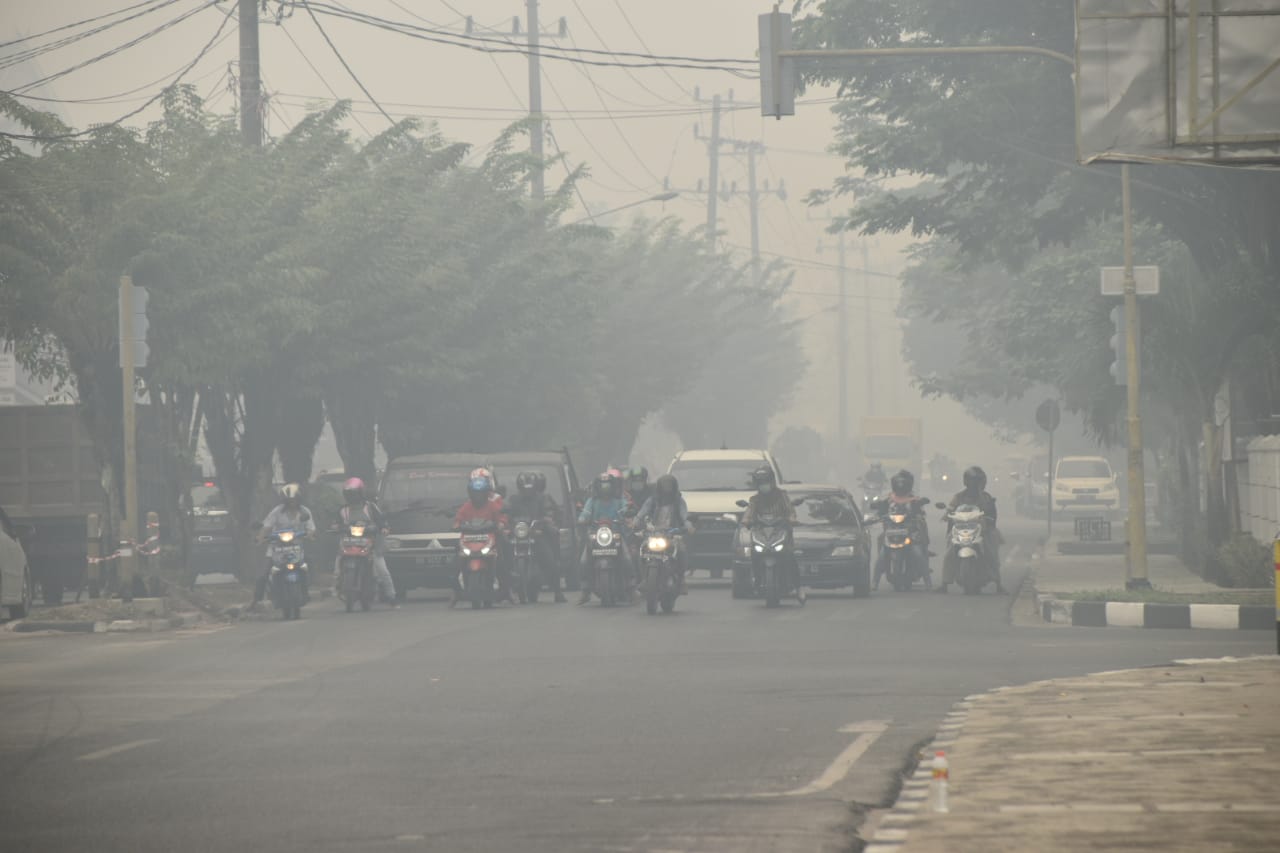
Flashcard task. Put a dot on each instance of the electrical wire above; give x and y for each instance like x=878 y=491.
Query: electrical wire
x=42 y=49
x=122 y=97
x=605 y=45
x=134 y=42
x=158 y=95
x=587 y=139
x=321 y=77
x=307 y=6
x=80 y=23
x=645 y=45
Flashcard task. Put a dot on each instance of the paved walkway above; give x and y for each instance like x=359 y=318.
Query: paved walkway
x=1170 y=758
x=1067 y=573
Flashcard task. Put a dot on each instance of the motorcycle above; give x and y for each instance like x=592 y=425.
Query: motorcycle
x=901 y=529
x=658 y=551
x=966 y=547
x=478 y=561
x=288 y=573
x=525 y=535
x=609 y=568
x=356 y=582
x=773 y=565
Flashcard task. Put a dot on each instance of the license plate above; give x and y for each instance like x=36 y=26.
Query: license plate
x=1086 y=499
x=292 y=577
x=605 y=552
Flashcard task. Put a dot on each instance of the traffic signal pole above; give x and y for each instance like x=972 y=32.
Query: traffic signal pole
x=129 y=524
x=1137 y=526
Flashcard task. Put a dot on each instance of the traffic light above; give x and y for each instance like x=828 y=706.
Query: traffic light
x=136 y=336
x=777 y=73
x=1119 y=364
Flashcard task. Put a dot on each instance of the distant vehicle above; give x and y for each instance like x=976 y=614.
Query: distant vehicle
x=15 y=575
x=712 y=482
x=832 y=545
x=213 y=544
x=562 y=486
x=420 y=495
x=1031 y=489
x=1085 y=485
x=894 y=442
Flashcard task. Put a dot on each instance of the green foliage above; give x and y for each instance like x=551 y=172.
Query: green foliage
x=1246 y=563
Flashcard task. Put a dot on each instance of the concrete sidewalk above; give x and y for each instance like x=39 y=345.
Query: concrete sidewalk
x=1172 y=758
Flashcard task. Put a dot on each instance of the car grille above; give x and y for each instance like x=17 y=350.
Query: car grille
x=1084 y=491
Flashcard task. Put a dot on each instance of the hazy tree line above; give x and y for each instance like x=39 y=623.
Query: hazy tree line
x=1002 y=301
x=402 y=288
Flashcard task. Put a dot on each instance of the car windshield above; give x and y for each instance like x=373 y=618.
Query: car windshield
x=1083 y=469
x=424 y=487
x=889 y=447
x=826 y=508
x=711 y=475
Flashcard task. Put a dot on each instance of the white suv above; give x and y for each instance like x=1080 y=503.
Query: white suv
x=712 y=482
x=1085 y=485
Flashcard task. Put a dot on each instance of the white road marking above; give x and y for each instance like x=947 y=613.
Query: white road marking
x=868 y=733
x=116 y=750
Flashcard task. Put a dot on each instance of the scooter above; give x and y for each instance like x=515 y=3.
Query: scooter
x=967 y=548
x=288 y=577
x=478 y=562
x=659 y=568
x=356 y=581
x=608 y=565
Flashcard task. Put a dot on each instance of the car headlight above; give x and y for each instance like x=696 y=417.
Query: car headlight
x=393 y=544
x=484 y=552
x=604 y=537
x=658 y=543
x=842 y=551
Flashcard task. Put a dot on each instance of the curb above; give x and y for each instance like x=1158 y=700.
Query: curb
x=1138 y=614
x=171 y=623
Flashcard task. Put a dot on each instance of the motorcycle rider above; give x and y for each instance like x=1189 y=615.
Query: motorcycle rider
x=769 y=500
x=529 y=502
x=874 y=480
x=360 y=507
x=607 y=503
x=901 y=496
x=485 y=504
x=638 y=488
x=289 y=514
x=975 y=494
x=666 y=510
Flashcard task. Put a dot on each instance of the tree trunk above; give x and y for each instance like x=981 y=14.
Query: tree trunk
x=301 y=423
x=354 y=423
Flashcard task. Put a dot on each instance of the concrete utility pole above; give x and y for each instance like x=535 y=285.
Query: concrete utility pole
x=129 y=524
x=868 y=331
x=250 y=75
x=713 y=177
x=1137 y=481
x=842 y=342
x=538 y=188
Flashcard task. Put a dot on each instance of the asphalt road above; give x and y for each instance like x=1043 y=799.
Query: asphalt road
x=549 y=728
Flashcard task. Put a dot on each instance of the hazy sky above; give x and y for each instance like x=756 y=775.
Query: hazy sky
x=634 y=128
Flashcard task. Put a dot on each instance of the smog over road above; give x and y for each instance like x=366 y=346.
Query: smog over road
x=556 y=425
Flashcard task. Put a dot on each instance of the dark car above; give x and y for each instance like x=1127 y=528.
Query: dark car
x=562 y=486
x=832 y=545
x=213 y=544
x=420 y=495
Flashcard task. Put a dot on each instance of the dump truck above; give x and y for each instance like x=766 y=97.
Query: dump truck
x=894 y=442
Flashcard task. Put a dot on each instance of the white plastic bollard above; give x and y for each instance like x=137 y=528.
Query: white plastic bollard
x=941 y=775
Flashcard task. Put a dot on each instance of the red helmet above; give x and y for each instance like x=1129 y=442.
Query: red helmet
x=353 y=490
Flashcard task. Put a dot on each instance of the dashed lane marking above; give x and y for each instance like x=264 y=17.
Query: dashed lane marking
x=116 y=750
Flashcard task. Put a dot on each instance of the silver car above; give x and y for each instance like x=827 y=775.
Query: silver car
x=15 y=576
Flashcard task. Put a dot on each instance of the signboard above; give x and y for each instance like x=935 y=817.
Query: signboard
x=1048 y=415
x=1146 y=279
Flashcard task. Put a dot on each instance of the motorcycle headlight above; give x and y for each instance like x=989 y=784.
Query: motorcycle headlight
x=289 y=567
x=604 y=537
x=522 y=530
x=778 y=546
x=286 y=535
x=842 y=551
x=658 y=543
x=759 y=548
x=906 y=541
x=898 y=519
x=357 y=530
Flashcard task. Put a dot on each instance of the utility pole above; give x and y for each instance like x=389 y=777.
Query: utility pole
x=1137 y=578
x=535 y=102
x=250 y=75
x=868 y=341
x=129 y=524
x=713 y=178
x=842 y=344
x=753 y=198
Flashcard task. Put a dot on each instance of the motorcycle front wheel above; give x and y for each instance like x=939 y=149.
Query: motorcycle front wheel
x=772 y=587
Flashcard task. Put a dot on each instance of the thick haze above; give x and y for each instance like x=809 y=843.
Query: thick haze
x=634 y=129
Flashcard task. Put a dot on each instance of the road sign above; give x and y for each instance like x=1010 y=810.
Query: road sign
x=1145 y=279
x=1048 y=415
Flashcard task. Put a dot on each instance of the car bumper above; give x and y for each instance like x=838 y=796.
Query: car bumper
x=1086 y=507
x=711 y=549
x=430 y=571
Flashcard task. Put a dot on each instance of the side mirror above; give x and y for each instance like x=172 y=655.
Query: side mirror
x=742 y=504
x=940 y=505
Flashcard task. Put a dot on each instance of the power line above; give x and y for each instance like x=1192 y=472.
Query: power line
x=573 y=120
x=78 y=133
x=121 y=97
x=306 y=5
x=643 y=44
x=80 y=23
x=605 y=45
x=321 y=77
x=41 y=49
x=118 y=49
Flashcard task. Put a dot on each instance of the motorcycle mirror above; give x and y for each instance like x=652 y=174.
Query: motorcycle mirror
x=940 y=505
x=742 y=504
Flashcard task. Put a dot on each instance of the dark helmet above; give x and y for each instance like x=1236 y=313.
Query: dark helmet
x=667 y=489
x=975 y=479
x=479 y=488
x=764 y=479
x=902 y=482
x=605 y=486
x=539 y=482
x=637 y=478
x=353 y=491
x=527 y=483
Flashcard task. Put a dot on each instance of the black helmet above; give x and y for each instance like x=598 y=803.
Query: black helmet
x=539 y=481
x=638 y=475
x=902 y=482
x=975 y=479
x=605 y=486
x=527 y=483
x=764 y=479
x=667 y=489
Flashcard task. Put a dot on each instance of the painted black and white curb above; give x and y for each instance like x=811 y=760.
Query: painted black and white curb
x=894 y=826
x=1137 y=614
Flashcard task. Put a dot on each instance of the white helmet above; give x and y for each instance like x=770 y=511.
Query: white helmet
x=290 y=491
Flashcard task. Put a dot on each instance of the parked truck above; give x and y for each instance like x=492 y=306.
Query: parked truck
x=50 y=481
x=894 y=442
